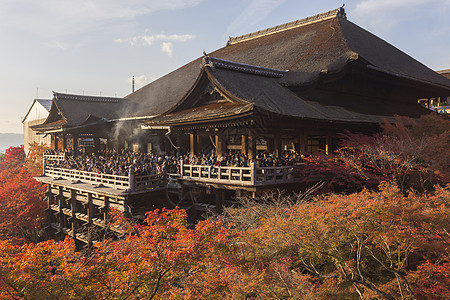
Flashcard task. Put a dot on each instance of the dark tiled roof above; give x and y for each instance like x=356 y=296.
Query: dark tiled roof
x=387 y=58
x=75 y=110
x=326 y=43
x=267 y=93
x=46 y=103
x=251 y=91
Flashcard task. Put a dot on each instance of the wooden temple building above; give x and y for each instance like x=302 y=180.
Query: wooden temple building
x=293 y=87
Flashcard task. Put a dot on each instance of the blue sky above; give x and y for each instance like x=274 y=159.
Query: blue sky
x=95 y=46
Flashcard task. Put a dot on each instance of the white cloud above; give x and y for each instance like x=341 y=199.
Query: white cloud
x=384 y=15
x=148 y=40
x=58 y=18
x=139 y=81
x=167 y=48
x=255 y=12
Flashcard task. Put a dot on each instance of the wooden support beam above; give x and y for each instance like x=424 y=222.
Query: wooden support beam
x=90 y=209
x=219 y=145
x=64 y=142
x=277 y=143
x=75 y=144
x=303 y=139
x=193 y=143
x=96 y=144
x=244 y=145
x=106 y=210
x=55 y=140
x=220 y=200
x=251 y=146
x=61 y=206
x=73 y=208
x=179 y=142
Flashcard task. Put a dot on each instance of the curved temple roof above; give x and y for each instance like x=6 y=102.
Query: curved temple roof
x=247 y=88
x=325 y=43
x=69 y=111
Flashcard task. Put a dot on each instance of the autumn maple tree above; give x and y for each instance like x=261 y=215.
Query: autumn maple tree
x=21 y=199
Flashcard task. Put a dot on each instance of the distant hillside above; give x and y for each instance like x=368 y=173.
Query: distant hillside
x=10 y=139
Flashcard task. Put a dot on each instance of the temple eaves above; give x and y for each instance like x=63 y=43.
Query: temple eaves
x=214 y=62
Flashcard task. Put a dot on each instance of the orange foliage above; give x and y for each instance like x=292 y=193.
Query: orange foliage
x=34 y=160
x=368 y=245
x=21 y=199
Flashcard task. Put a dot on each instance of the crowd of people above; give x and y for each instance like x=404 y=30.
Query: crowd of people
x=238 y=159
x=118 y=163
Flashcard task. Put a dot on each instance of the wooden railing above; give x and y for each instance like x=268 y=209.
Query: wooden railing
x=107 y=180
x=59 y=156
x=130 y=183
x=246 y=176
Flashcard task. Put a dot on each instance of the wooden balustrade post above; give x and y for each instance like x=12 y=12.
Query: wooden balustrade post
x=131 y=179
x=44 y=164
x=181 y=168
x=252 y=173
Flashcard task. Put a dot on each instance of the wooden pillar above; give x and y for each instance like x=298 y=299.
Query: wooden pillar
x=303 y=141
x=131 y=179
x=55 y=139
x=106 y=210
x=193 y=143
x=90 y=209
x=219 y=146
x=161 y=141
x=64 y=142
x=96 y=144
x=270 y=144
x=277 y=143
x=75 y=144
x=50 y=214
x=251 y=146
x=179 y=143
x=244 y=144
x=61 y=206
x=220 y=200
x=73 y=207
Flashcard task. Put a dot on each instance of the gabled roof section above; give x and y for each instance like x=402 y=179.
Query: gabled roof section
x=384 y=57
x=327 y=43
x=247 y=90
x=70 y=110
x=45 y=103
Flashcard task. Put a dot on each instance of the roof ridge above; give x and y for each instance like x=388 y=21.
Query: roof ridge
x=214 y=62
x=88 y=98
x=338 y=12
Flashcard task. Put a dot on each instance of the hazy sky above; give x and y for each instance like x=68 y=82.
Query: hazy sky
x=95 y=46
